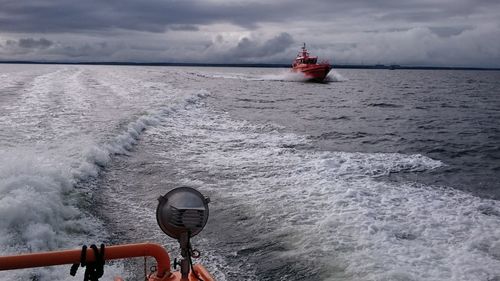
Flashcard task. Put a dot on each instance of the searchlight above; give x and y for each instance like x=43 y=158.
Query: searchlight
x=183 y=213
x=183 y=210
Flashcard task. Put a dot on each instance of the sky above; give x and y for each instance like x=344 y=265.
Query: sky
x=405 y=32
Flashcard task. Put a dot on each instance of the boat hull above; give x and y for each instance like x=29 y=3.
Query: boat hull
x=317 y=72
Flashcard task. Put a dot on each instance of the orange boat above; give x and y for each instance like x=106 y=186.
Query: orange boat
x=181 y=213
x=308 y=65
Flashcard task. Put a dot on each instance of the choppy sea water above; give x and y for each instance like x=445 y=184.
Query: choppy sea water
x=375 y=175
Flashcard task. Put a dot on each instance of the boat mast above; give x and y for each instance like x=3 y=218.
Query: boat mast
x=304 y=51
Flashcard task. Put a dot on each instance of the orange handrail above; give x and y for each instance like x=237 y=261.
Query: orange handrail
x=73 y=256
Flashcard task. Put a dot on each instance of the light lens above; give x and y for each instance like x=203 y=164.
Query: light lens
x=182 y=210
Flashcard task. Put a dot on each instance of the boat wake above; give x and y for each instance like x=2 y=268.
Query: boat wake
x=80 y=139
x=334 y=76
x=333 y=207
x=47 y=188
x=283 y=76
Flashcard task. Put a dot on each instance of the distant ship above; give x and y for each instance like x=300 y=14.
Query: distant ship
x=308 y=65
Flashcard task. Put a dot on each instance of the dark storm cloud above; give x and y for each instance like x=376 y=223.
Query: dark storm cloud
x=53 y=16
x=412 y=9
x=248 y=48
x=101 y=49
x=31 y=43
x=183 y=27
x=447 y=31
x=430 y=32
x=152 y=16
x=26 y=45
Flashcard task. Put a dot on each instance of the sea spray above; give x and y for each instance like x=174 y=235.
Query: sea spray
x=334 y=76
x=40 y=205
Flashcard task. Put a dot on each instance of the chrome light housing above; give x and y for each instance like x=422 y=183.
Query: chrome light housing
x=183 y=210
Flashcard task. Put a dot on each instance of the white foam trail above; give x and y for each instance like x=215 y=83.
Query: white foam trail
x=39 y=205
x=286 y=75
x=282 y=75
x=334 y=76
x=332 y=208
x=32 y=200
x=99 y=156
x=38 y=200
x=39 y=211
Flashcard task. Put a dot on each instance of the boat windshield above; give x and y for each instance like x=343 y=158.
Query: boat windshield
x=311 y=60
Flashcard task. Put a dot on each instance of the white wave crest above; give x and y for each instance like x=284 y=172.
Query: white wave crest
x=335 y=209
x=281 y=75
x=334 y=76
x=40 y=208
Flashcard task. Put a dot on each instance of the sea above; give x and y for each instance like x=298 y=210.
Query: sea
x=372 y=175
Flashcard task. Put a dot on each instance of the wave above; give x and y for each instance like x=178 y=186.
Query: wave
x=40 y=211
x=334 y=76
x=283 y=75
x=43 y=203
x=334 y=208
x=385 y=105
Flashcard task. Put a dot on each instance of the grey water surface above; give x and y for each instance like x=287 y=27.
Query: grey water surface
x=373 y=175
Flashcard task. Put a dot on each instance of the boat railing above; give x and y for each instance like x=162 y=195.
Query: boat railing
x=73 y=257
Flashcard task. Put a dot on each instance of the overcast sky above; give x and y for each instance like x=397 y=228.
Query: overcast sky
x=407 y=32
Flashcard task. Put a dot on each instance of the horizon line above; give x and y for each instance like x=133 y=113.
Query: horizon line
x=264 y=65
